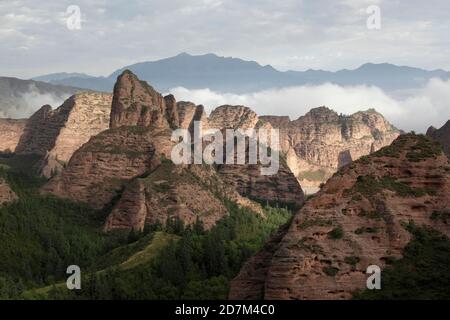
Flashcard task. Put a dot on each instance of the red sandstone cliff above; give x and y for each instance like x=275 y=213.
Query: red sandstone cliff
x=317 y=144
x=353 y=222
x=56 y=134
x=441 y=135
x=10 y=132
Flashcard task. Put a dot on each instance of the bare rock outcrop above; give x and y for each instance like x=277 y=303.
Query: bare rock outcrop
x=10 y=132
x=137 y=141
x=116 y=169
x=356 y=220
x=56 y=134
x=97 y=171
x=42 y=129
x=317 y=144
x=6 y=194
x=136 y=103
x=281 y=188
x=233 y=117
x=190 y=193
x=442 y=135
x=188 y=114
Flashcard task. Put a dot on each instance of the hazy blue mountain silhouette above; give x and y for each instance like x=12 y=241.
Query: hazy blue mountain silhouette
x=237 y=76
x=61 y=76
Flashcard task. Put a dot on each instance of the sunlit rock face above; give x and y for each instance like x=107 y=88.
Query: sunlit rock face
x=10 y=132
x=56 y=134
x=317 y=144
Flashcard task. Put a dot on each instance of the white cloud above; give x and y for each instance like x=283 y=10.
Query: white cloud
x=28 y=102
x=417 y=111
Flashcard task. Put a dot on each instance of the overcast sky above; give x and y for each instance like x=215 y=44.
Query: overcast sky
x=288 y=34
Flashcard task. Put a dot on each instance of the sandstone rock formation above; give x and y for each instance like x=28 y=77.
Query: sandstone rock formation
x=190 y=193
x=281 y=188
x=135 y=144
x=6 y=194
x=116 y=169
x=174 y=186
x=189 y=114
x=356 y=220
x=442 y=135
x=56 y=134
x=233 y=117
x=10 y=132
x=135 y=103
x=321 y=141
x=97 y=171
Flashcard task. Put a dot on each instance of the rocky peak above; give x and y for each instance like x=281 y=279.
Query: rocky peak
x=136 y=103
x=141 y=201
x=373 y=120
x=356 y=220
x=232 y=117
x=320 y=114
x=321 y=141
x=277 y=122
x=42 y=129
x=189 y=112
x=441 y=135
x=56 y=134
x=431 y=131
x=121 y=163
x=171 y=111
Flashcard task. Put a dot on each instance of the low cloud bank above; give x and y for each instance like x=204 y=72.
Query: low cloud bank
x=411 y=110
x=25 y=104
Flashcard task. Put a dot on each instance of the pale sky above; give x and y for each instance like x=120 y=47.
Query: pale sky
x=288 y=34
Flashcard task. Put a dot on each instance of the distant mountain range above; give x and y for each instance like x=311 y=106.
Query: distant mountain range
x=20 y=98
x=233 y=75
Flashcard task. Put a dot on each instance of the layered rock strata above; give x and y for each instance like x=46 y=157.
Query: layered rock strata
x=317 y=144
x=10 y=132
x=56 y=134
x=6 y=194
x=441 y=135
x=357 y=219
